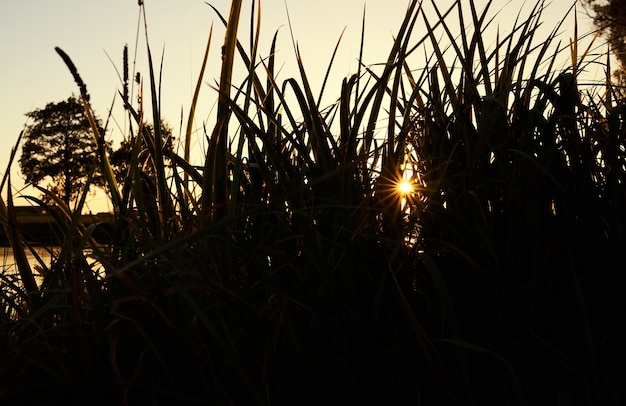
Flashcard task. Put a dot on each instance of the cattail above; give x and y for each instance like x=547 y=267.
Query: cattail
x=126 y=74
x=74 y=71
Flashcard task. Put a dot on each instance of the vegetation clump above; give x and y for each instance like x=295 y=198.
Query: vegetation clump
x=291 y=268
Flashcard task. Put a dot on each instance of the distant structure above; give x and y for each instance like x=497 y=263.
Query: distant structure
x=38 y=226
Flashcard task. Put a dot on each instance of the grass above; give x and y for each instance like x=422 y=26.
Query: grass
x=289 y=269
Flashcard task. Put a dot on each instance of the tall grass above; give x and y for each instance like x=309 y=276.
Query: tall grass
x=289 y=269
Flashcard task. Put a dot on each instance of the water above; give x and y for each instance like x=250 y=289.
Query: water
x=8 y=267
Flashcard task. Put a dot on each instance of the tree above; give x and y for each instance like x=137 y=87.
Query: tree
x=121 y=157
x=60 y=146
x=609 y=16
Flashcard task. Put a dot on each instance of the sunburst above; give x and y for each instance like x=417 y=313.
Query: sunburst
x=404 y=187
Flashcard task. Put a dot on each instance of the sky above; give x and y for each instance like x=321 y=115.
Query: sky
x=92 y=31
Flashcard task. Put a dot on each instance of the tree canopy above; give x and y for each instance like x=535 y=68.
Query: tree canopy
x=121 y=158
x=609 y=16
x=59 y=146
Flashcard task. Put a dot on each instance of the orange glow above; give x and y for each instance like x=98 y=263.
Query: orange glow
x=404 y=187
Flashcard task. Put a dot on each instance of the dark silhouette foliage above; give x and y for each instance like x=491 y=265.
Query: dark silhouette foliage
x=60 y=146
x=121 y=157
x=609 y=16
x=289 y=269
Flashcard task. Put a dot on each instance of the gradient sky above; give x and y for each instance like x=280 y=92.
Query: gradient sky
x=32 y=74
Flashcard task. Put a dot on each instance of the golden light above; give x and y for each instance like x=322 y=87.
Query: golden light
x=404 y=187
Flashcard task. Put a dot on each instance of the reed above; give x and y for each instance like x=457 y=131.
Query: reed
x=291 y=269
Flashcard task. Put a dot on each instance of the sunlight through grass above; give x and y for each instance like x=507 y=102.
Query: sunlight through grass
x=405 y=187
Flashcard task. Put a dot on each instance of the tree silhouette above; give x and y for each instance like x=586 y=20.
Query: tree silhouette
x=609 y=16
x=121 y=158
x=59 y=145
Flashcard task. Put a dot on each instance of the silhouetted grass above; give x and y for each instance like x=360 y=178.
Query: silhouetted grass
x=290 y=270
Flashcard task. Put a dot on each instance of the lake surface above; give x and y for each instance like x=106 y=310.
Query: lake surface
x=7 y=261
x=8 y=267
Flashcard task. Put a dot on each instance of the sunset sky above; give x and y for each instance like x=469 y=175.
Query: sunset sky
x=32 y=74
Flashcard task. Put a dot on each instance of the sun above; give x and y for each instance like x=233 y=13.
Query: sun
x=404 y=187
